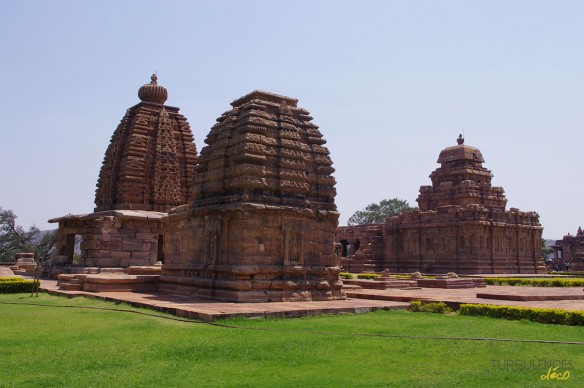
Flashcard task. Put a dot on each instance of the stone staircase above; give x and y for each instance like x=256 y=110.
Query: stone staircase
x=68 y=282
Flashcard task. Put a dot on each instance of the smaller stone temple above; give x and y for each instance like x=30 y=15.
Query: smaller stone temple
x=147 y=169
x=262 y=221
x=461 y=226
x=569 y=253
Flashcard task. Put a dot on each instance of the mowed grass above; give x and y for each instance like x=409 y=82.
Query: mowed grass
x=51 y=346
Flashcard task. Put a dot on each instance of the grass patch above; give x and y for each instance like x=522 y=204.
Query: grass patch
x=368 y=275
x=429 y=307
x=50 y=346
x=541 y=315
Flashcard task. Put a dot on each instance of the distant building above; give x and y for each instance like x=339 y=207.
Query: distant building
x=569 y=252
x=461 y=226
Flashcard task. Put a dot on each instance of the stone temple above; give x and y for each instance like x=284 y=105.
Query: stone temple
x=569 y=252
x=262 y=221
x=461 y=226
x=147 y=169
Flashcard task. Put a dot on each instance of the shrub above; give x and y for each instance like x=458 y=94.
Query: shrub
x=346 y=275
x=571 y=273
x=541 y=315
x=16 y=286
x=368 y=275
x=12 y=279
x=554 y=282
x=429 y=307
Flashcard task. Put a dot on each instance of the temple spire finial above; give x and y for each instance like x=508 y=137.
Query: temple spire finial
x=152 y=92
x=460 y=139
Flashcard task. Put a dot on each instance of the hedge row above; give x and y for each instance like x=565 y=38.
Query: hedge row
x=12 y=279
x=555 y=282
x=346 y=275
x=429 y=307
x=542 y=315
x=571 y=273
x=368 y=275
x=16 y=286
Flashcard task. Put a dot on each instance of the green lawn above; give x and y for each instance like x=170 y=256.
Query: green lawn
x=49 y=346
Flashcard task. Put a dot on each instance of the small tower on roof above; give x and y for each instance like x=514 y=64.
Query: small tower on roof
x=461 y=180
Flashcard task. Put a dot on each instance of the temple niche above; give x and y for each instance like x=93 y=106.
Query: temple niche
x=261 y=224
x=147 y=169
x=461 y=226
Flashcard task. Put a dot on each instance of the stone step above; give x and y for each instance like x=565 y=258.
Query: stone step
x=351 y=286
x=364 y=283
x=448 y=283
x=70 y=287
x=394 y=298
x=112 y=270
x=402 y=284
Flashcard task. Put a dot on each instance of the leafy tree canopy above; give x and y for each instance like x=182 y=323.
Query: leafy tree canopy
x=377 y=213
x=14 y=238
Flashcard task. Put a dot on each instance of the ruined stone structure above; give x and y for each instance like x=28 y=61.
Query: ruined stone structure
x=261 y=225
x=462 y=225
x=569 y=252
x=362 y=247
x=147 y=169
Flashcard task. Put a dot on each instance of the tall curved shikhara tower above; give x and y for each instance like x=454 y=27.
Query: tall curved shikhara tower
x=262 y=221
x=148 y=169
x=149 y=162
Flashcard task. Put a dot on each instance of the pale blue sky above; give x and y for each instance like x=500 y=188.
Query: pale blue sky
x=390 y=83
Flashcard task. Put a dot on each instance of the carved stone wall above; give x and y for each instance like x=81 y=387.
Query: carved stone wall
x=569 y=253
x=464 y=240
x=261 y=225
x=462 y=225
x=362 y=248
x=109 y=239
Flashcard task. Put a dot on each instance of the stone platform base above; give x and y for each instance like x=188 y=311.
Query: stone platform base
x=386 y=297
x=380 y=283
x=108 y=282
x=253 y=283
x=248 y=296
x=451 y=283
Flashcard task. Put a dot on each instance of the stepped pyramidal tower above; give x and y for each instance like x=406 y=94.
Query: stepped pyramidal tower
x=462 y=226
x=262 y=220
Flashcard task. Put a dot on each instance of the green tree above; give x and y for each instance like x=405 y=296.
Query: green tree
x=377 y=213
x=546 y=251
x=14 y=238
